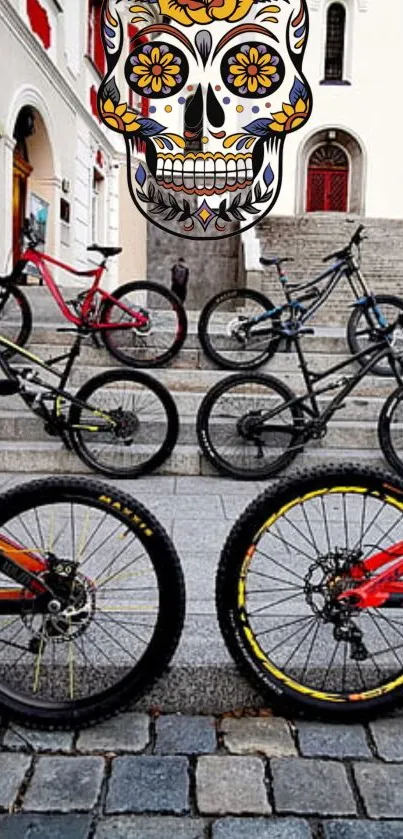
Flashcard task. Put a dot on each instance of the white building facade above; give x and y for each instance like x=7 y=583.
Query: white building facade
x=347 y=158
x=55 y=154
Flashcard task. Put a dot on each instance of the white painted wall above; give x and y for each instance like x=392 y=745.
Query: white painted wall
x=368 y=108
x=56 y=83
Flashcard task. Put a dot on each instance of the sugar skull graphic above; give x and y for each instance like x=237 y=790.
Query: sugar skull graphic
x=223 y=85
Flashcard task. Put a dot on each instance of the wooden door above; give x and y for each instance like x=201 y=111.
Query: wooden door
x=21 y=173
x=327 y=188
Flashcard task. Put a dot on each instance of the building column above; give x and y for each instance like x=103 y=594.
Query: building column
x=7 y=145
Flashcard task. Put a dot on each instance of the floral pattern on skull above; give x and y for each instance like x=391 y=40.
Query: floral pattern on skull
x=224 y=84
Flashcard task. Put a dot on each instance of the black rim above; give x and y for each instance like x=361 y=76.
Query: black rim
x=72 y=659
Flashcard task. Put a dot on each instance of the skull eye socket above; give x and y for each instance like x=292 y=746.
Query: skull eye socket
x=156 y=70
x=253 y=70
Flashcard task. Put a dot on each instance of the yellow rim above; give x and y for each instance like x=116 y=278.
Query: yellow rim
x=258 y=652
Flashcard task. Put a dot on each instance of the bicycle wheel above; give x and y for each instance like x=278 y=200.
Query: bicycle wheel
x=15 y=316
x=363 y=327
x=127 y=426
x=390 y=430
x=225 y=332
x=234 y=434
x=117 y=605
x=163 y=333
x=285 y=562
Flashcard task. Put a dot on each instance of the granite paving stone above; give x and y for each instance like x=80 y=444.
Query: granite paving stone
x=206 y=536
x=360 y=829
x=261 y=828
x=318 y=739
x=24 y=739
x=63 y=784
x=148 y=784
x=124 y=733
x=150 y=827
x=270 y=736
x=231 y=784
x=381 y=788
x=29 y=826
x=178 y=734
x=13 y=768
x=388 y=738
x=305 y=786
x=188 y=506
x=206 y=485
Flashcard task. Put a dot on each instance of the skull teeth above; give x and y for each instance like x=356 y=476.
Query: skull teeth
x=204 y=172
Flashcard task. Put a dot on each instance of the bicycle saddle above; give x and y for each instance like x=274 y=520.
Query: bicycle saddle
x=275 y=260
x=104 y=250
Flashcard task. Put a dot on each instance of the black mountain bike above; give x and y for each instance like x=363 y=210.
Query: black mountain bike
x=122 y=423
x=238 y=328
x=92 y=601
x=252 y=425
x=309 y=591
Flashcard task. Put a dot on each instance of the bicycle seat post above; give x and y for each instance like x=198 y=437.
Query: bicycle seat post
x=283 y=277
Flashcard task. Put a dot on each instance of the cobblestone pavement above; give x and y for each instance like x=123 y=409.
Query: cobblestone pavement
x=141 y=776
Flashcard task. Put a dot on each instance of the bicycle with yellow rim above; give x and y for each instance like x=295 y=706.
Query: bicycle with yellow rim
x=309 y=591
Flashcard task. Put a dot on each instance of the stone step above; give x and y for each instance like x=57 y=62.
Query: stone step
x=352 y=427
x=185 y=380
x=30 y=458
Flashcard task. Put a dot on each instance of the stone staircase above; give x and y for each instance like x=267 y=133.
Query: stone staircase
x=309 y=238
x=25 y=447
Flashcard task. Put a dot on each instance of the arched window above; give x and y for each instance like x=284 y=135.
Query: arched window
x=327 y=188
x=335 y=38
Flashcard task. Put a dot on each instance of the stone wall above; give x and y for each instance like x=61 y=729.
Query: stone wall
x=213 y=264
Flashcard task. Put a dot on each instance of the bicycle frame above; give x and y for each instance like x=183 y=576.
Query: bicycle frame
x=342 y=268
x=54 y=419
x=346 y=385
x=86 y=317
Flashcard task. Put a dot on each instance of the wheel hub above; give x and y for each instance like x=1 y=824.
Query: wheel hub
x=128 y=424
x=325 y=580
x=249 y=426
x=67 y=615
x=237 y=328
x=146 y=327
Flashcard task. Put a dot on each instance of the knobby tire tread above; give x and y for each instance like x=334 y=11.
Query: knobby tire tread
x=164 y=642
x=239 y=540
x=204 y=339
x=176 y=304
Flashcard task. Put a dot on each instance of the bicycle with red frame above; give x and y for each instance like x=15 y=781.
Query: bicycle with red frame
x=310 y=591
x=142 y=323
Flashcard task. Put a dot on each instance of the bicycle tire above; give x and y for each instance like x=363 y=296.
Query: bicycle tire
x=19 y=331
x=258 y=542
x=168 y=326
x=141 y=421
x=122 y=662
x=232 y=360
x=391 y=414
x=354 y=332
x=212 y=438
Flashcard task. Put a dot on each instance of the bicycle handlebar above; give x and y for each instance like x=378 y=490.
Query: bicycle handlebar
x=356 y=239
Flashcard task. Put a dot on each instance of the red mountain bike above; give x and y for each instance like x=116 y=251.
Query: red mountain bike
x=310 y=590
x=142 y=324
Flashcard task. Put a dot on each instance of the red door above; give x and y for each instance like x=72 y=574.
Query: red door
x=327 y=188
